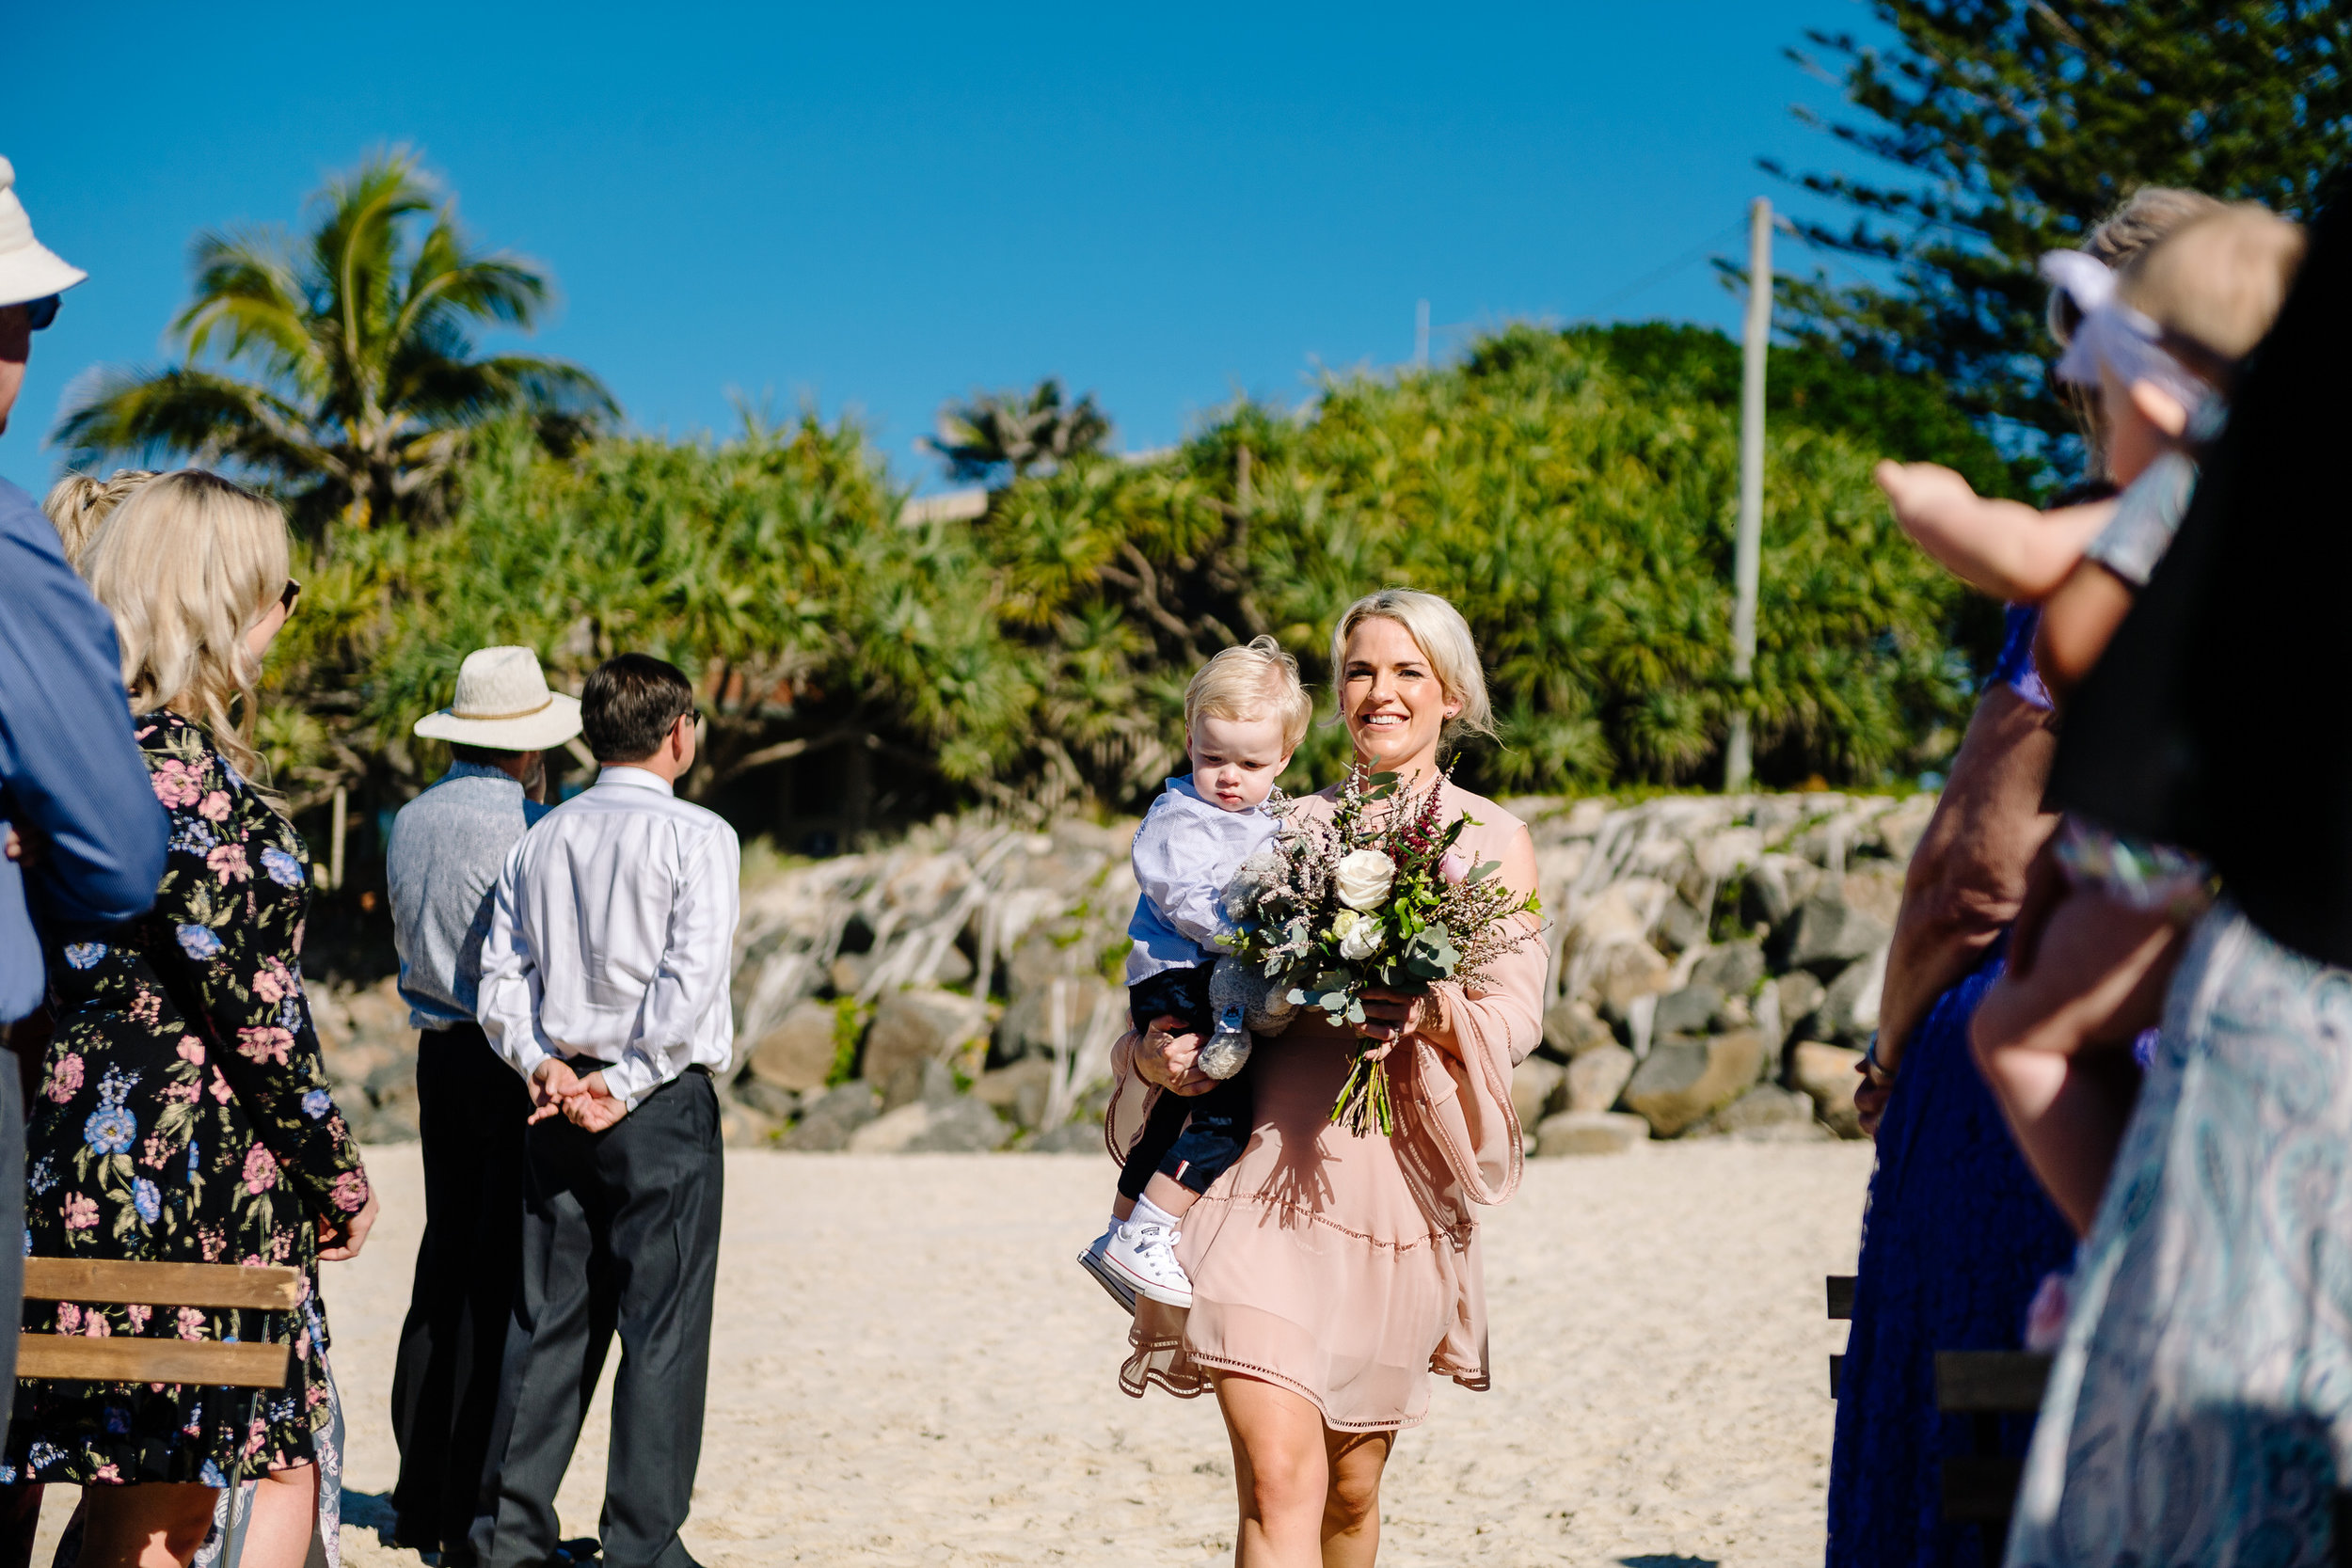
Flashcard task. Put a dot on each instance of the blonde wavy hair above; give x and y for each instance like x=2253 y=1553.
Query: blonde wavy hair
x=186 y=565
x=1255 y=680
x=77 y=503
x=1444 y=639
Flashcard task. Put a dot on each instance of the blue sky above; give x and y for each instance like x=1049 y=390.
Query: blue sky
x=879 y=207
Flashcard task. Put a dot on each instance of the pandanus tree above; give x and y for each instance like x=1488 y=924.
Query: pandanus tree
x=1001 y=434
x=340 y=369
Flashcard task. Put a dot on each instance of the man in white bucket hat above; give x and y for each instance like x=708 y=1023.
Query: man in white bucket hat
x=87 y=834
x=446 y=850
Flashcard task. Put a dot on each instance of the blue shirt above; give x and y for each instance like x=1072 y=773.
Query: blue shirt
x=70 y=774
x=447 y=849
x=1185 y=857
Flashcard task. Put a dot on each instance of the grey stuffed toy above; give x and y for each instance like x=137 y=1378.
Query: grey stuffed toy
x=1244 y=1003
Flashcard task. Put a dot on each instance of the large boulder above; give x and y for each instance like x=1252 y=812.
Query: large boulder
x=1897 y=833
x=1533 y=1083
x=742 y=1126
x=960 y=1125
x=826 y=1124
x=1681 y=925
x=1596 y=1078
x=1622 y=912
x=1027 y=1028
x=1572 y=1028
x=912 y=1027
x=1798 y=993
x=1083 y=1136
x=1589 y=1133
x=798 y=1054
x=1827 y=933
x=1681 y=1084
x=1019 y=1089
x=1733 y=969
x=1875 y=888
x=1849 y=1010
x=1826 y=1076
x=1688 y=1011
x=1773 y=888
x=928 y=1080
x=1625 y=972
x=1725 y=854
x=1766 y=1111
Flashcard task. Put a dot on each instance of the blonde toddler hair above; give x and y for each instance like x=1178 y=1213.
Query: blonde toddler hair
x=1444 y=639
x=186 y=565
x=2215 y=285
x=1254 y=681
x=77 y=503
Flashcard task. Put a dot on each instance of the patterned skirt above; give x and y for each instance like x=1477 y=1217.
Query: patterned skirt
x=2200 y=1407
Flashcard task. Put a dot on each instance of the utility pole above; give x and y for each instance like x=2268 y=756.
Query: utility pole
x=1421 y=335
x=1748 y=545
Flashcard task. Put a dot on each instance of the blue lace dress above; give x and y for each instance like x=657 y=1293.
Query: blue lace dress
x=1955 y=1240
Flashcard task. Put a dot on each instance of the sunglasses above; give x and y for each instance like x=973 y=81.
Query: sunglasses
x=38 y=313
x=290 y=595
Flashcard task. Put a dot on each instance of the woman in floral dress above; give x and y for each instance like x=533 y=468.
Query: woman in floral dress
x=184 y=1115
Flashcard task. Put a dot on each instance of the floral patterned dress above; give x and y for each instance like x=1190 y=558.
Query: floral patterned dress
x=183 y=1116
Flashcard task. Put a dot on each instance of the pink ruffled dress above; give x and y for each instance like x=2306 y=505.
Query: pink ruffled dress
x=1347 y=1269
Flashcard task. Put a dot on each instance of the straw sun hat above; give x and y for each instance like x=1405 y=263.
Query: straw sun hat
x=28 y=269
x=504 y=702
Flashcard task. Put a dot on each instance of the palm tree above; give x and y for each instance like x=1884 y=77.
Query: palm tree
x=998 y=431
x=363 y=383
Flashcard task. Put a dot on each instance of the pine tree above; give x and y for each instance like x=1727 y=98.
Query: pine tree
x=2015 y=126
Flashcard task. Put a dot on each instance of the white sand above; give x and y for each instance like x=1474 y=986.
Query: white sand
x=908 y=1369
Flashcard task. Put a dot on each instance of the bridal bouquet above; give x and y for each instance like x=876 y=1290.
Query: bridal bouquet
x=1377 y=899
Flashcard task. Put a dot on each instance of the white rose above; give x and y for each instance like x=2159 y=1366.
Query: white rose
x=1361 y=940
x=1364 y=878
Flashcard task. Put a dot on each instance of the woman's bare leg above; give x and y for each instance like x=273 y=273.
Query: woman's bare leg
x=1351 y=1508
x=2054 y=1045
x=1282 y=1472
x=285 y=1515
x=152 y=1524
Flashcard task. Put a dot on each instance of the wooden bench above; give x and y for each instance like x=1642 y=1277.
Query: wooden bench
x=1980 y=1488
x=251 y=1365
x=1840 y=1310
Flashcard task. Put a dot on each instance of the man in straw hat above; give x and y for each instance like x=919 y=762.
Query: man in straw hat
x=83 y=832
x=447 y=848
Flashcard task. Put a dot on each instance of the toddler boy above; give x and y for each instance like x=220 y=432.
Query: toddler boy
x=1245 y=713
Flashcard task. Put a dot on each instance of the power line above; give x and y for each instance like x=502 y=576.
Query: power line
x=1695 y=253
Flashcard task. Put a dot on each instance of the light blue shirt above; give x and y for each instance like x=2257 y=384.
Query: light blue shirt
x=1186 y=855
x=447 y=849
x=71 y=772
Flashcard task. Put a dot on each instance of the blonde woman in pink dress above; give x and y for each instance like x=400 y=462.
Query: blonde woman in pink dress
x=1332 y=1274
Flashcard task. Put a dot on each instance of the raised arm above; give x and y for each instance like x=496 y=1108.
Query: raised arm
x=73 y=774
x=2002 y=547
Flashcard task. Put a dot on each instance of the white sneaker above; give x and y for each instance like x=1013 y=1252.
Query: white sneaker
x=1145 y=1256
x=1092 y=1261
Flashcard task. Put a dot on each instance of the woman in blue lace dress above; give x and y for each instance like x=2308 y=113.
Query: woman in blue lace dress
x=1957 y=1235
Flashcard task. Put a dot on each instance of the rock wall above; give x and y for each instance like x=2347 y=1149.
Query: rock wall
x=1715 y=966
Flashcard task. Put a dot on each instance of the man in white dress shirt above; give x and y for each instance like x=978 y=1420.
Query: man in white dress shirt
x=604 y=983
